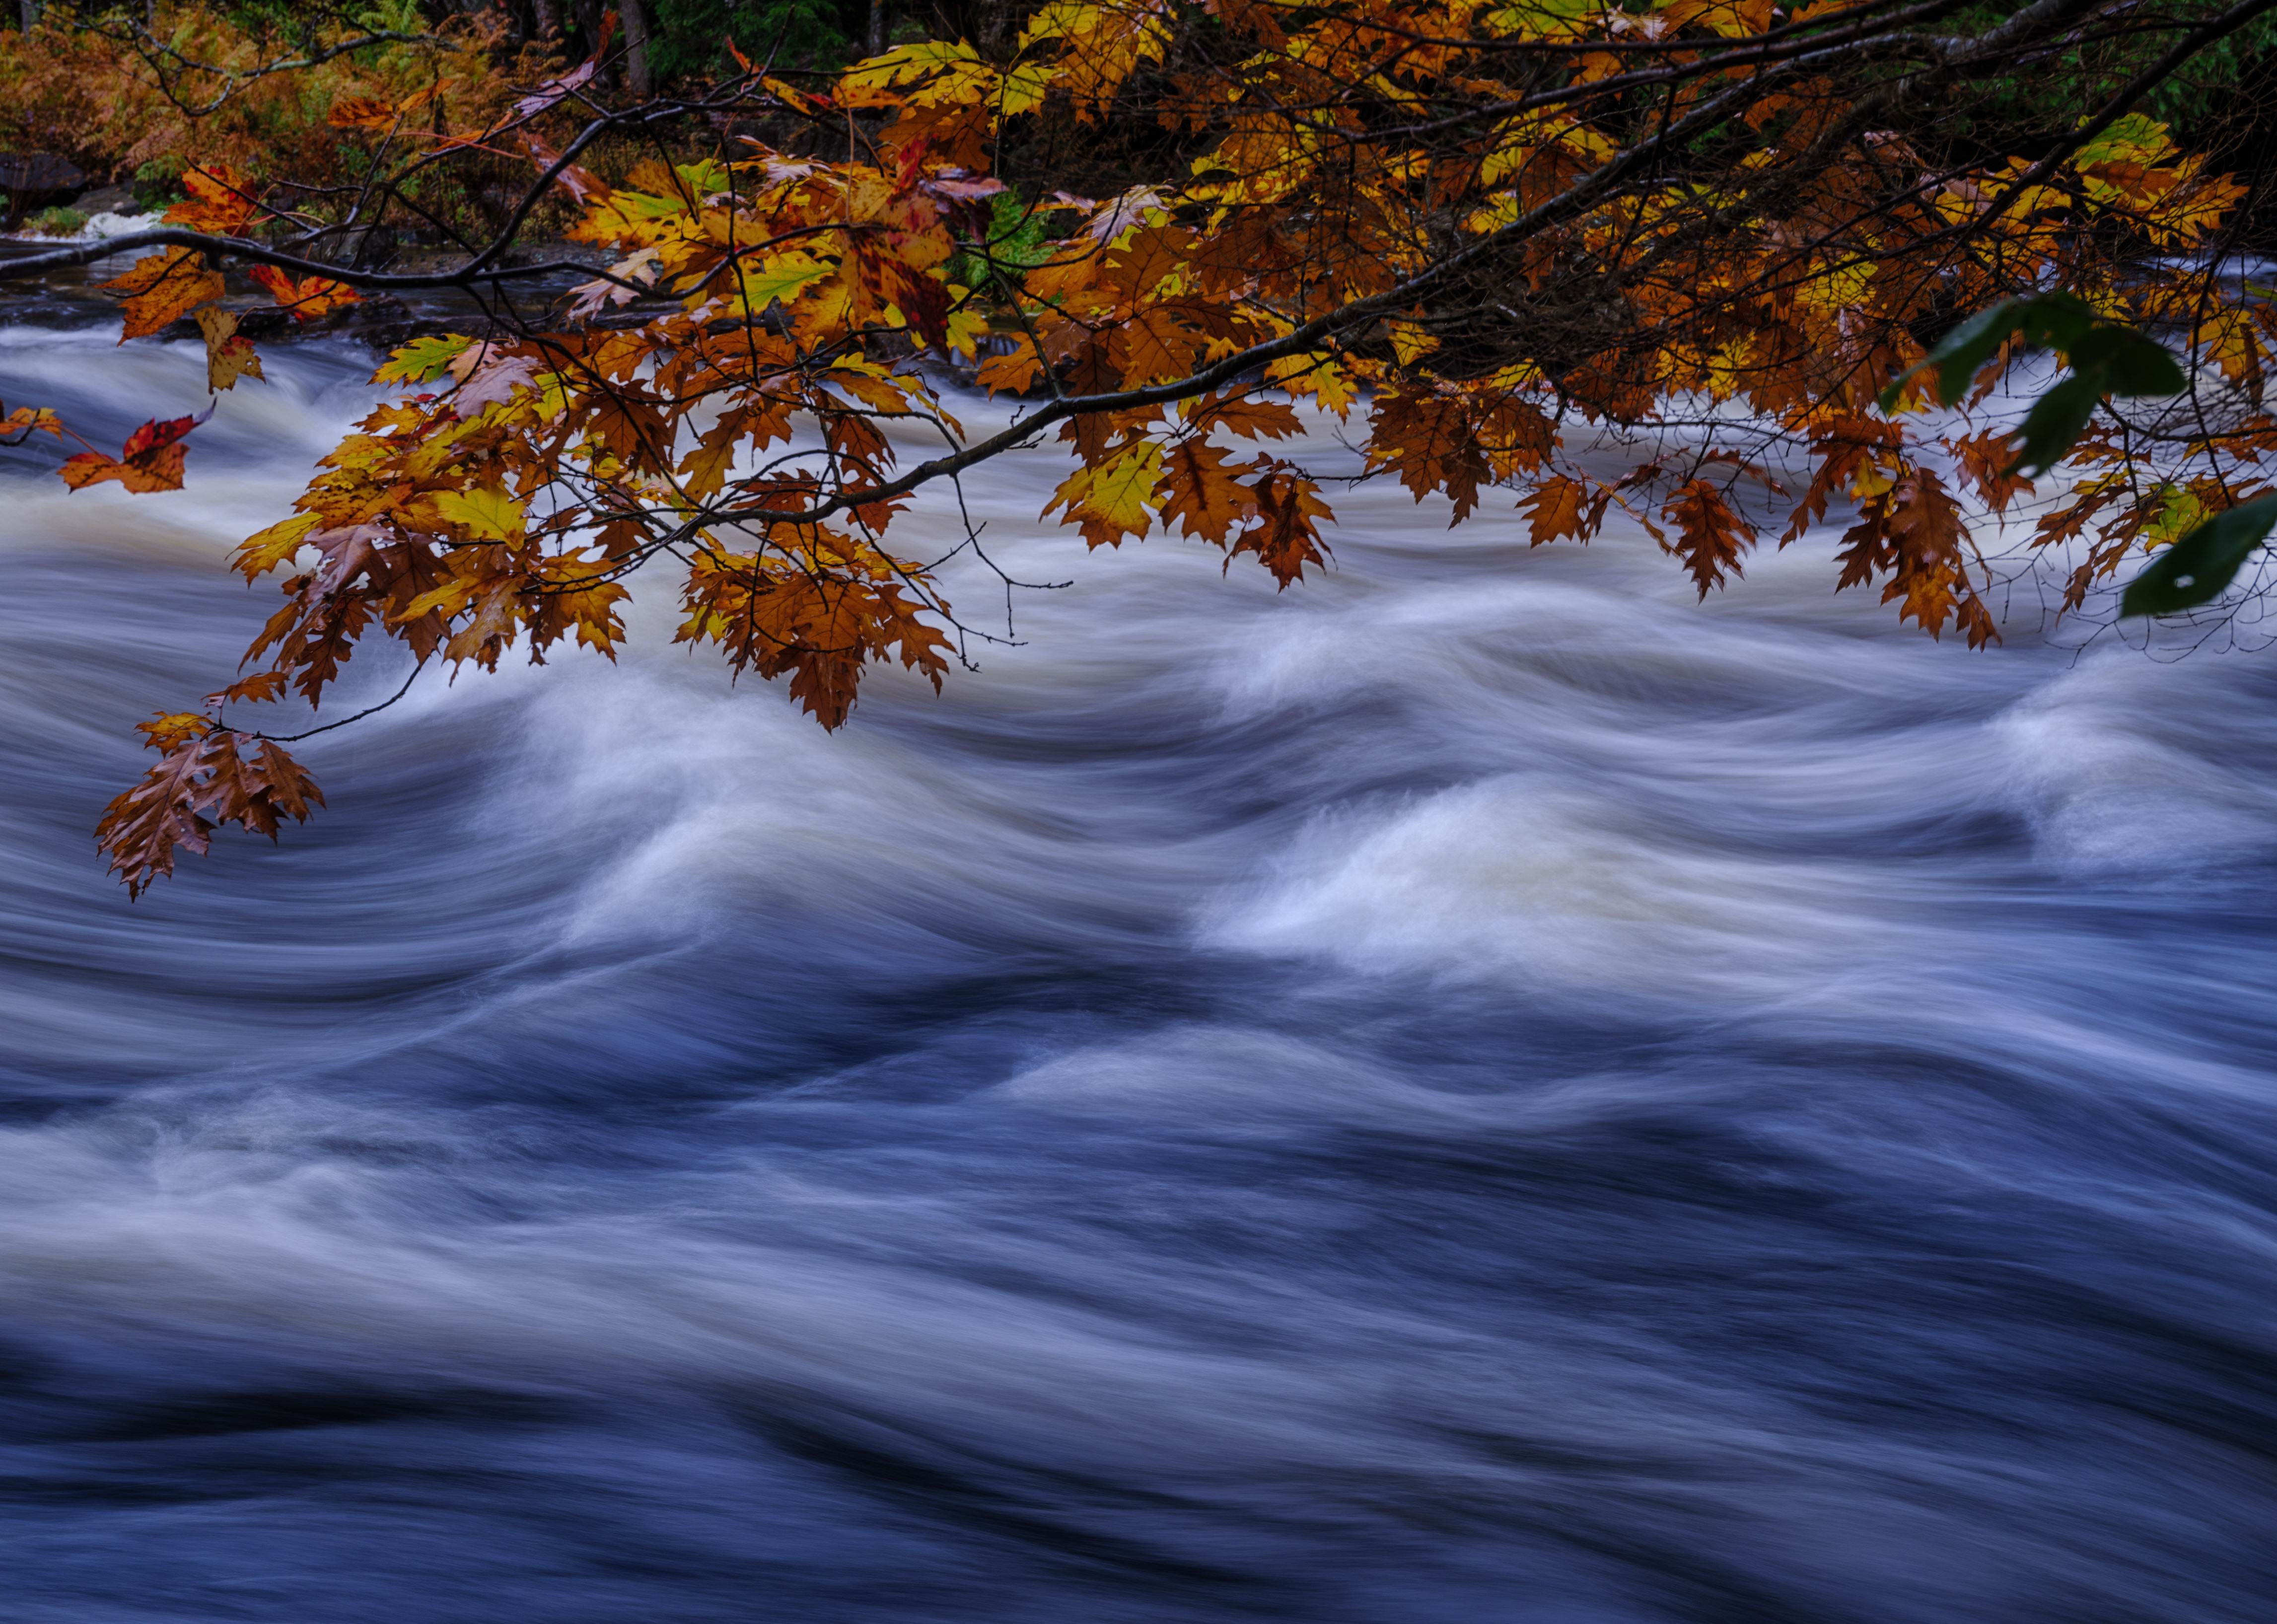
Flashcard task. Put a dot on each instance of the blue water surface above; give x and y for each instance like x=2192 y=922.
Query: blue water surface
x=1474 y=1089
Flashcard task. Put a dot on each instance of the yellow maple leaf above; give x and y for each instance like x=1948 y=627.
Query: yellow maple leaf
x=1114 y=500
x=265 y=550
x=966 y=328
x=491 y=515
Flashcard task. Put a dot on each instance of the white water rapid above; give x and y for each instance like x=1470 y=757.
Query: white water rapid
x=1474 y=1089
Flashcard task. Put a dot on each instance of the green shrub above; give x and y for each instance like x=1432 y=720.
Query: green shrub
x=156 y=182
x=689 y=36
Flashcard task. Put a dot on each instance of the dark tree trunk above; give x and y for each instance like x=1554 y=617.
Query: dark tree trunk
x=584 y=16
x=635 y=21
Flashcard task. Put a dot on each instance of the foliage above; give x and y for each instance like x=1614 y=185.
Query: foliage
x=157 y=182
x=131 y=97
x=2093 y=65
x=2108 y=361
x=2195 y=568
x=691 y=36
x=1741 y=246
x=56 y=222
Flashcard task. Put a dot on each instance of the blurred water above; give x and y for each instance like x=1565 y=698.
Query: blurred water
x=1474 y=1089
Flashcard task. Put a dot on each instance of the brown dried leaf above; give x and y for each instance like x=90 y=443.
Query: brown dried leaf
x=228 y=356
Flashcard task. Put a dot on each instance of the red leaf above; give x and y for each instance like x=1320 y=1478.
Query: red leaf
x=150 y=460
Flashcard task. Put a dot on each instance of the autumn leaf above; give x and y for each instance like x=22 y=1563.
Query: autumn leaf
x=265 y=550
x=966 y=328
x=1709 y=537
x=2233 y=341
x=1560 y=507
x=362 y=112
x=1016 y=372
x=263 y=687
x=169 y=732
x=707 y=463
x=221 y=200
x=1914 y=532
x=775 y=278
x=1848 y=446
x=815 y=617
x=1286 y=534
x=423 y=360
x=207 y=775
x=495 y=383
x=1318 y=375
x=1249 y=416
x=1431 y=442
x=311 y=298
x=151 y=460
x=1112 y=500
x=228 y=356
x=491 y=515
x=25 y=421
x=1986 y=461
x=568 y=84
x=162 y=288
x=1153 y=345
x=1200 y=492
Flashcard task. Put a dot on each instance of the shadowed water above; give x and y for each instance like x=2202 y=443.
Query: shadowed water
x=1474 y=1089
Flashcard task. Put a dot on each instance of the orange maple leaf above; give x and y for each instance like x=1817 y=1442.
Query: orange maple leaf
x=1286 y=535
x=309 y=299
x=1017 y=372
x=220 y=200
x=163 y=287
x=362 y=112
x=1986 y=460
x=1201 y=492
x=1557 y=506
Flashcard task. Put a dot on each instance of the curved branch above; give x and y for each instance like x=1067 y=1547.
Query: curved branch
x=177 y=237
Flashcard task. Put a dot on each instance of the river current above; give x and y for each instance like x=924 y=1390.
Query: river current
x=1474 y=1089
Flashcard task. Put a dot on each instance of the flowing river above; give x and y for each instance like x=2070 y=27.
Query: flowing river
x=1474 y=1089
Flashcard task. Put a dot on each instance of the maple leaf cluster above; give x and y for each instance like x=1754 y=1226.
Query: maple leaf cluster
x=1484 y=242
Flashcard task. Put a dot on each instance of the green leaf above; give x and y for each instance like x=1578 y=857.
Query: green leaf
x=706 y=178
x=2106 y=357
x=1960 y=352
x=2123 y=362
x=2058 y=320
x=422 y=359
x=2135 y=138
x=2055 y=423
x=2200 y=567
x=783 y=277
